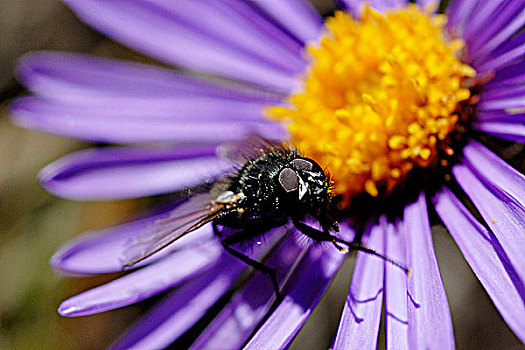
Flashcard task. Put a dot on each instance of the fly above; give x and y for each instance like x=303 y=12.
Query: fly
x=275 y=186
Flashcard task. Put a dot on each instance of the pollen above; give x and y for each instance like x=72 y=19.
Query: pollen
x=379 y=96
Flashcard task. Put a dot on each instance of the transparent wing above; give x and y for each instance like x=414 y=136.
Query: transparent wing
x=249 y=148
x=187 y=217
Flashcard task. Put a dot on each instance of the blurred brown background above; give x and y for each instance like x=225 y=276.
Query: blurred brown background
x=33 y=224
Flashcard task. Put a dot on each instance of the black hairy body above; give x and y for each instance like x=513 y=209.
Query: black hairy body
x=266 y=201
x=256 y=179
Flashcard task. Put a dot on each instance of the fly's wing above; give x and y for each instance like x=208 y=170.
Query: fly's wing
x=249 y=148
x=187 y=217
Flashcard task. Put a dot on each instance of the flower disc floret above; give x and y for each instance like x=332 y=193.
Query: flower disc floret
x=380 y=94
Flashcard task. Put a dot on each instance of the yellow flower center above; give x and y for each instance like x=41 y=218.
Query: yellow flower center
x=380 y=94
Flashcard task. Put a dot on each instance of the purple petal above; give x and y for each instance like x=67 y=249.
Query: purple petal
x=506 y=130
x=237 y=321
x=182 y=308
x=263 y=23
x=512 y=50
x=143 y=283
x=508 y=97
x=510 y=75
x=106 y=125
x=309 y=283
x=396 y=318
x=101 y=251
x=126 y=172
x=168 y=110
x=499 y=116
x=497 y=191
x=359 y=324
x=426 y=3
x=515 y=90
x=503 y=103
x=88 y=80
x=185 y=306
x=492 y=169
x=459 y=12
x=356 y=6
x=297 y=16
x=486 y=258
x=478 y=18
x=241 y=28
x=498 y=28
x=178 y=41
x=428 y=312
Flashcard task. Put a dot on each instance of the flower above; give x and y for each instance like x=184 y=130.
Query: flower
x=467 y=74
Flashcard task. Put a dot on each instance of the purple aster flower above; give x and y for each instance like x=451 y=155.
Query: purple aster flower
x=378 y=95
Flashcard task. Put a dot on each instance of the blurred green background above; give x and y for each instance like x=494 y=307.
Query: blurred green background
x=33 y=224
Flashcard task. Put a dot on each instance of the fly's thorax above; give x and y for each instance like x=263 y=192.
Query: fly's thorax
x=256 y=181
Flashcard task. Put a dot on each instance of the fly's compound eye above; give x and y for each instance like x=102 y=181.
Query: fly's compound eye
x=289 y=180
x=302 y=164
x=307 y=164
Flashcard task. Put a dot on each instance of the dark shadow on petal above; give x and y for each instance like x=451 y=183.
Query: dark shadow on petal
x=356 y=318
x=351 y=299
x=388 y=314
x=364 y=300
x=509 y=268
x=415 y=303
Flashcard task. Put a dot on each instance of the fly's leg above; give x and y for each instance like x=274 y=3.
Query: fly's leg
x=323 y=236
x=215 y=229
x=239 y=237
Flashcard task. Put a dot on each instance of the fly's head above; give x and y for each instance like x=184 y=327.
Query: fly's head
x=307 y=189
